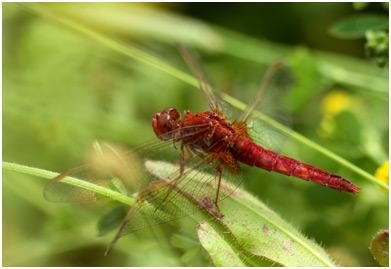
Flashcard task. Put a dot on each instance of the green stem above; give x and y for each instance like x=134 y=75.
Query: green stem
x=116 y=45
x=160 y=65
x=302 y=139
x=69 y=180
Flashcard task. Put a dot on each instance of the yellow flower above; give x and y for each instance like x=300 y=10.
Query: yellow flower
x=332 y=104
x=335 y=102
x=382 y=173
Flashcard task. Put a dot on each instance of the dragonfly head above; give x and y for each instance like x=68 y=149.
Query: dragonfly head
x=166 y=122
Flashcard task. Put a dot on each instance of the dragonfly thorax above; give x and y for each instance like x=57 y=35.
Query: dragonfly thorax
x=166 y=122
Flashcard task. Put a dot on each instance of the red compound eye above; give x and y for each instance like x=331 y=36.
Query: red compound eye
x=164 y=123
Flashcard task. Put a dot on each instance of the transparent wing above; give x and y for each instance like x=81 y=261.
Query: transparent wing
x=168 y=191
x=269 y=97
x=114 y=173
x=168 y=199
x=106 y=176
x=260 y=92
x=210 y=96
x=197 y=188
x=271 y=102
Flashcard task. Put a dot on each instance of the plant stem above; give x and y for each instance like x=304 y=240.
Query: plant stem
x=162 y=66
x=69 y=180
x=302 y=139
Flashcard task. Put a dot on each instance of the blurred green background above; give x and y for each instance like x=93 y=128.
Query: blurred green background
x=64 y=87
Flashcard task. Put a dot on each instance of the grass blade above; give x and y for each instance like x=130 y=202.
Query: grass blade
x=104 y=192
x=162 y=66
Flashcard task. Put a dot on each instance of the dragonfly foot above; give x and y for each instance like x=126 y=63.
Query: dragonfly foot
x=219 y=215
x=211 y=207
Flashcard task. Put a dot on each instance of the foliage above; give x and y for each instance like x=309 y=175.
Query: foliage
x=70 y=78
x=257 y=230
x=373 y=27
x=377 y=46
x=380 y=248
x=220 y=252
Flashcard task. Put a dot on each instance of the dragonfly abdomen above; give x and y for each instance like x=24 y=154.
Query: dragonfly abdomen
x=252 y=154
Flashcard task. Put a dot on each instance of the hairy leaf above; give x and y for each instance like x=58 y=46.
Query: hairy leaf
x=380 y=247
x=218 y=249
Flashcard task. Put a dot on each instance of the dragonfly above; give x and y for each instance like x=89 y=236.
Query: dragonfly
x=193 y=163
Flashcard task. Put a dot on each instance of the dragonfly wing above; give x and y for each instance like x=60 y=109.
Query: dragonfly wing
x=205 y=86
x=167 y=199
x=110 y=173
x=59 y=190
x=259 y=96
x=266 y=135
x=272 y=101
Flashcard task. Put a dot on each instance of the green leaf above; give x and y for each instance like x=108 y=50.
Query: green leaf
x=218 y=249
x=380 y=248
x=192 y=252
x=356 y=26
x=377 y=46
x=260 y=231
x=257 y=229
x=360 y=5
x=112 y=219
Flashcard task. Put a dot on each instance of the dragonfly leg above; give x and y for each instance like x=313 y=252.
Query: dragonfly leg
x=218 y=191
x=217 y=214
x=185 y=158
x=173 y=183
x=190 y=154
x=208 y=138
x=118 y=235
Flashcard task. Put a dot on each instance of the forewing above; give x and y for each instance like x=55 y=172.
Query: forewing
x=205 y=86
x=114 y=173
x=117 y=173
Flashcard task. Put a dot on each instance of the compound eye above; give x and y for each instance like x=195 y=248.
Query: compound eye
x=163 y=121
x=166 y=122
x=172 y=113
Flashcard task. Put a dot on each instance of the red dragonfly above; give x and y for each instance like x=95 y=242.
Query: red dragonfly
x=201 y=151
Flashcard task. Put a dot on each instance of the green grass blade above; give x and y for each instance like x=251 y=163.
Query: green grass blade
x=160 y=65
x=115 y=18
x=309 y=143
x=104 y=192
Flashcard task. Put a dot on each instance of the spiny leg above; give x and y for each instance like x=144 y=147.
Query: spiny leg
x=118 y=235
x=141 y=195
x=185 y=158
x=175 y=181
x=219 y=170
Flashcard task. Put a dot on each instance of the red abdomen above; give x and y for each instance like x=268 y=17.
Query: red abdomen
x=254 y=155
